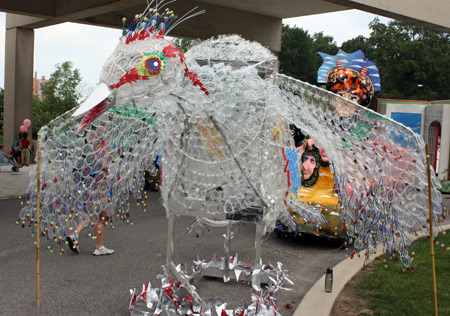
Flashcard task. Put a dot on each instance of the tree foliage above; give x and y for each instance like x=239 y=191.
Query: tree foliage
x=296 y=56
x=407 y=55
x=359 y=43
x=59 y=94
x=324 y=44
x=185 y=43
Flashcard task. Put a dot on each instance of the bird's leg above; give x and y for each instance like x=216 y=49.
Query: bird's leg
x=226 y=270
x=170 y=238
x=258 y=237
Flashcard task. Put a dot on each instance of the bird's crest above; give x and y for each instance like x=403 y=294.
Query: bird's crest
x=156 y=24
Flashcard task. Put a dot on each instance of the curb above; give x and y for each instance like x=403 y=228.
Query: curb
x=317 y=302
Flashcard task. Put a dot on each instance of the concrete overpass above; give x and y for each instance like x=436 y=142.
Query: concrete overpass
x=258 y=20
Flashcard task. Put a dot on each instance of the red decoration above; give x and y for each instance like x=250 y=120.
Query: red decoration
x=130 y=76
x=169 y=51
x=144 y=34
x=92 y=114
x=191 y=75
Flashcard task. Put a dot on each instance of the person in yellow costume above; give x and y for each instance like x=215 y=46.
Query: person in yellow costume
x=317 y=187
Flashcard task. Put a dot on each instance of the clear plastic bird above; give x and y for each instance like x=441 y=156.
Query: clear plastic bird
x=220 y=119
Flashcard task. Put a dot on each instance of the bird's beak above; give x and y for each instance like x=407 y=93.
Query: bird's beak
x=94 y=105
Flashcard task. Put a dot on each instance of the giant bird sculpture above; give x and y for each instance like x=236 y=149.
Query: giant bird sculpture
x=220 y=119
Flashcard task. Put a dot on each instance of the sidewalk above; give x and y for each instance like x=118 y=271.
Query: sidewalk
x=14 y=184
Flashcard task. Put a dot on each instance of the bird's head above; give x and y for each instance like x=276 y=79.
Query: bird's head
x=144 y=65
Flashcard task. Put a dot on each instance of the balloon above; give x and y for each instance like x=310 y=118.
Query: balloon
x=23 y=128
x=26 y=123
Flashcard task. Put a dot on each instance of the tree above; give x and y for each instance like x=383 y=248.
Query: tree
x=407 y=55
x=185 y=44
x=59 y=94
x=297 y=58
x=324 y=44
x=359 y=43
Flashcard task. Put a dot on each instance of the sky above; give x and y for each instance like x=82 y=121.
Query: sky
x=88 y=47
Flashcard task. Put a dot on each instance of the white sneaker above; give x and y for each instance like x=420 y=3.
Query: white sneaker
x=102 y=251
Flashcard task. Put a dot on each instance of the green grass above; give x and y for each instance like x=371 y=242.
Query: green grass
x=390 y=291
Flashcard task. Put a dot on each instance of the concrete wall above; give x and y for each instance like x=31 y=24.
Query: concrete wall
x=440 y=112
x=433 y=14
x=19 y=50
x=398 y=106
x=437 y=111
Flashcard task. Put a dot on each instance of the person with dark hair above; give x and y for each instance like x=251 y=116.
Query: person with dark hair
x=25 y=147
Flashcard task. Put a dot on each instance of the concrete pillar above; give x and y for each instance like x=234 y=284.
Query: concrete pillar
x=18 y=103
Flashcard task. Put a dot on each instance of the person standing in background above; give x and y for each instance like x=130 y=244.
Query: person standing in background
x=25 y=145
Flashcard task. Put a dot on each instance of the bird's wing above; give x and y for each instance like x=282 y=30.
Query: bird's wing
x=379 y=165
x=89 y=176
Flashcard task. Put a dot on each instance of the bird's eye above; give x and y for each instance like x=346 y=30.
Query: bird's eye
x=151 y=64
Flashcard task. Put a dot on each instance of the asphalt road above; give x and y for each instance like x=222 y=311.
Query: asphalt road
x=82 y=284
